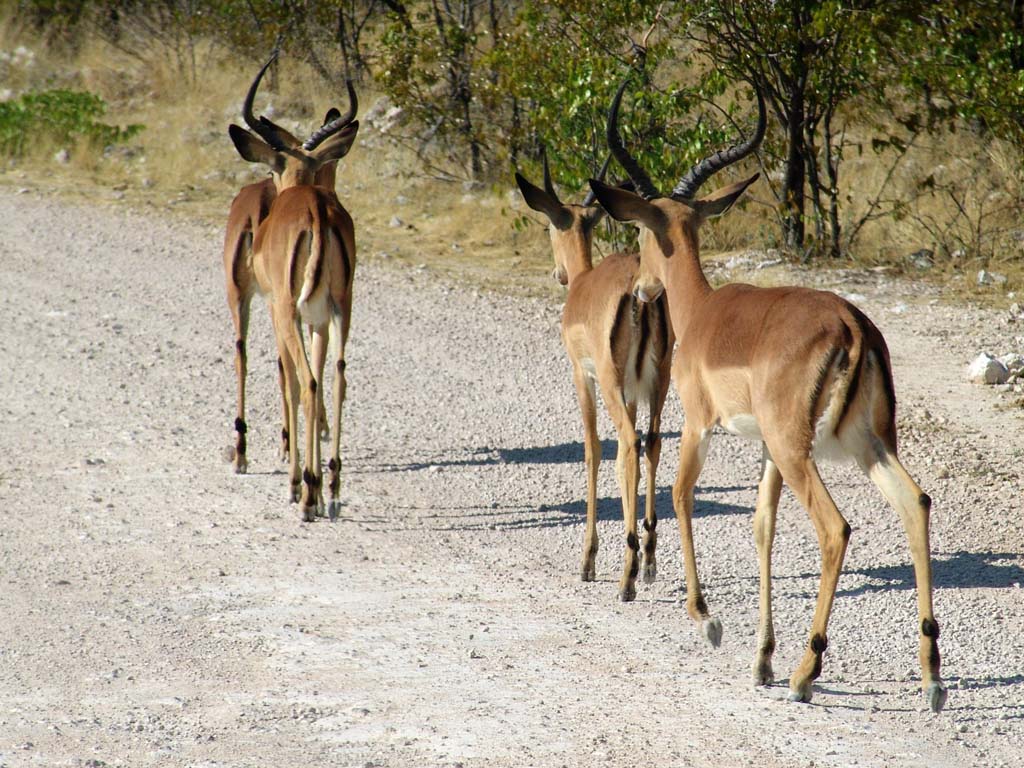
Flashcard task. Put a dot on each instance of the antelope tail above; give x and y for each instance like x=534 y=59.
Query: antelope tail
x=314 y=264
x=850 y=385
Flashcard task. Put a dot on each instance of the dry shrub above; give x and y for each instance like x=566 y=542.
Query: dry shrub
x=184 y=158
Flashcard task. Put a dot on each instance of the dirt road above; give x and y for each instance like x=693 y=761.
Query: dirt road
x=157 y=610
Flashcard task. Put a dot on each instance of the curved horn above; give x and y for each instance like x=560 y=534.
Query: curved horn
x=644 y=186
x=591 y=196
x=548 y=186
x=320 y=134
x=265 y=129
x=687 y=187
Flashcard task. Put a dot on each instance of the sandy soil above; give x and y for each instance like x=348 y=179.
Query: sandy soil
x=157 y=610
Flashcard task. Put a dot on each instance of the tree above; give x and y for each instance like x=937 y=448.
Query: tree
x=437 y=62
x=809 y=59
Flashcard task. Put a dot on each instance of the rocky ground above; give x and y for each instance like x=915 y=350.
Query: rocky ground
x=157 y=610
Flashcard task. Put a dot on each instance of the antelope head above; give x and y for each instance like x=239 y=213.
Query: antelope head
x=669 y=224
x=294 y=162
x=571 y=226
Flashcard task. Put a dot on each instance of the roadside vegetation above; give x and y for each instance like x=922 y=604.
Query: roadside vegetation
x=896 y=133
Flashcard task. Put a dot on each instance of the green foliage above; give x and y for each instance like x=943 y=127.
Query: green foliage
x=966 y=61
x=60 y=116
x=486 y=85
x=59 y=19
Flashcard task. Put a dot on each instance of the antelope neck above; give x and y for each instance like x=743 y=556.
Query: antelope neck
x=686 y=287
x=577 y=258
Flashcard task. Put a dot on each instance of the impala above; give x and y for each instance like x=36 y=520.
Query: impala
x=303 y=259
x=803 y=371
x=623 y=346
x=248 y=209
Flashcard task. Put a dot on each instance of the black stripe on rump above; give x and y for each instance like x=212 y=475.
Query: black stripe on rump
x=819 y=382
x=645 y=337
x=622 y=316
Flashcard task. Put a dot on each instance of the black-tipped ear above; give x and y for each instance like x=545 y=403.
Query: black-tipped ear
x=332 y=114
x=253 y=149
x=721 y=200
x=623 y=205
x=541 y=201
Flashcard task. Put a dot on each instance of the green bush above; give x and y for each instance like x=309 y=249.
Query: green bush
x=59 y=116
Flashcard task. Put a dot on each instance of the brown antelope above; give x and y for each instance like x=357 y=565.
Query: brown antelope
x=248 y=209
x=303 y=258
x=626 y=348
x=803 y=371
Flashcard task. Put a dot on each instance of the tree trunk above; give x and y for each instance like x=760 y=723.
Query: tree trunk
x=814 y=184
x=832 y=171
x=793 y=181
x=796 y=157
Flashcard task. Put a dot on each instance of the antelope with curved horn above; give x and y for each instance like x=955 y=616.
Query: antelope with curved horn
x=303 y=258
x=803 y=371
x=248 y=209
x=623 y=346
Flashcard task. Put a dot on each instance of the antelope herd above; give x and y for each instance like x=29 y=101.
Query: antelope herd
x=802 y=371
x=303 y=258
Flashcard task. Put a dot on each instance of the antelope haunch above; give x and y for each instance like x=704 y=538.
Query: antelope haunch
x=623 y=346
x=803 y=371
x=303 y=258
x=250 y=206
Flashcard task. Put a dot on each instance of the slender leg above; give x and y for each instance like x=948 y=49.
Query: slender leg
x=652 y=455
x=764 y=534
x=310 y=471
x=914 y=507
x=627 y=465
x=319 y=354
x=339 y=329
x=692 y=451
x=290 y=389
x=285 y=428
x=592 y=456
x=801 y=474
x=325 y=429
x=240 y=315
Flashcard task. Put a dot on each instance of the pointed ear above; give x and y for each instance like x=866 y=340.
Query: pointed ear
x=286 y=137
x=593 y=216
x=720 y=201
x=253 y=149
x=337 y=146
x=542 y=202
x=623 y=205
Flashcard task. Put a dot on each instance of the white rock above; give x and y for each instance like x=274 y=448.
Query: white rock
x=736 y=262
x=923 y=258
x=990 y=278
x=1013 y=362
x=395 y=222
x=62 y=157
x=987 y=370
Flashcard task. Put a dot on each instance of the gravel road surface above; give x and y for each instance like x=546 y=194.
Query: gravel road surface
x=158 y=610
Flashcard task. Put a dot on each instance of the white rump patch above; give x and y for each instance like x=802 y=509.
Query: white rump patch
x=744 y=425
x=826 y=446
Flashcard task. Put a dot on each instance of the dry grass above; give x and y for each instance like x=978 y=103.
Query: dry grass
x=184 y=162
